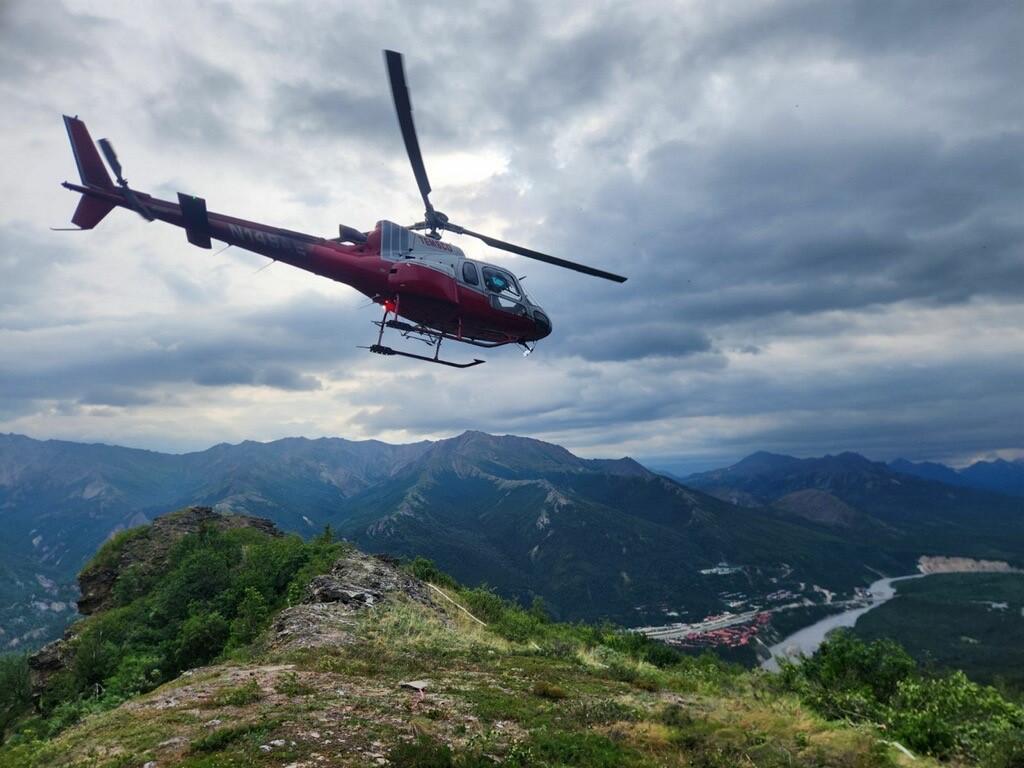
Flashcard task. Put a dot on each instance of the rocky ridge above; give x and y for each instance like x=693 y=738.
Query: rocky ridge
x=147 y=547
x=144 y=548
x=327 y=614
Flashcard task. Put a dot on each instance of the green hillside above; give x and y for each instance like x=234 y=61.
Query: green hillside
x=322 y=655
x=968 y=621
x=596 y=540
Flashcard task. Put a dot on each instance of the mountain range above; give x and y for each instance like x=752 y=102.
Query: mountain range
x=595 y=538
x=871 y=501
x=1000 y=475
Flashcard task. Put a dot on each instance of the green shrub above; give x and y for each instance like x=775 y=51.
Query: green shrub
x=485 y=604
x=290 y=685
x=96 y=657
x=425 y=570
x=1007 y=751
x=135 y=674
x=15 y=690
x=68 y=713
x=599 y=711
x=224 y=737
x=850 y=678
x=422 y=753
x=200 y=639
x=428 y=753
x=950 y=715
x=942 y=715
x=562 y=748
x=251 y=616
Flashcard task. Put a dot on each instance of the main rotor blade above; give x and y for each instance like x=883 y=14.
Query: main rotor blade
x=495 y=243
x=111 y=155
x=403 y=107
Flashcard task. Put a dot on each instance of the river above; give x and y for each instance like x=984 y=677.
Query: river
x=806 y=641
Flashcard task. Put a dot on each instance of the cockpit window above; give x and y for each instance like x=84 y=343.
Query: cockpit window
x=501 y=283
x=469 y=275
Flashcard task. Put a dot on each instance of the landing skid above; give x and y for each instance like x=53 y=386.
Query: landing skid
x=381 y=350
x=434 y=338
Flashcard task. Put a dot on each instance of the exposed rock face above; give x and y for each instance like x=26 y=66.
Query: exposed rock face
x=940 y=564
x=362 y=580
x=48 y=661
x=327 y=614
x=149 y=549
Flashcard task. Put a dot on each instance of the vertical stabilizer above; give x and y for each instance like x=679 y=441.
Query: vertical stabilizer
x=90 y=165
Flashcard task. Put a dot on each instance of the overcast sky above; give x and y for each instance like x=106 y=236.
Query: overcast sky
x=819 y=205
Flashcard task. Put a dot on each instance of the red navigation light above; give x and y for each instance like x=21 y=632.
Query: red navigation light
x=390 y=305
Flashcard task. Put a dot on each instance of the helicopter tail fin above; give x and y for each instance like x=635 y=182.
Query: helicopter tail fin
x=90 y=165
x=90 y=210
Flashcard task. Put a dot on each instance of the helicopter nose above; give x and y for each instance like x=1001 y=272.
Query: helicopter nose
x=542 y=322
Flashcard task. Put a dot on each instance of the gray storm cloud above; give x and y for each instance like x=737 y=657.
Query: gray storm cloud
x=817 y=204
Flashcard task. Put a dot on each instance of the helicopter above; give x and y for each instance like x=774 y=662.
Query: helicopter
x=429 y=290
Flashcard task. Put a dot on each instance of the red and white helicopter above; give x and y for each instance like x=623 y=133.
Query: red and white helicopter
x=428 y=288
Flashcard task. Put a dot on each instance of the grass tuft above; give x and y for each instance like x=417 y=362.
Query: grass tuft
x=548 y=690
x=241 y=696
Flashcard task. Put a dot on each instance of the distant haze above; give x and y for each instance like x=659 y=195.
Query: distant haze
x=818 y=206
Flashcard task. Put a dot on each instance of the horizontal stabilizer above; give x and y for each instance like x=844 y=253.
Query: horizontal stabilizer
x=195 y=220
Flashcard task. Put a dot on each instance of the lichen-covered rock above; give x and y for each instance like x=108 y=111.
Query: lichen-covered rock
x=363 y=580
x=327 y=614
x=314 y=625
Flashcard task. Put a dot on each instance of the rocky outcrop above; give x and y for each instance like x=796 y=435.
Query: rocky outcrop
x=328 y=612
x=362 y=580
x=148 y=547
x=48 y=661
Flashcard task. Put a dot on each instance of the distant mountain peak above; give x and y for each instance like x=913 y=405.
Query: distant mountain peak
x=998 y=475
x=761 y=461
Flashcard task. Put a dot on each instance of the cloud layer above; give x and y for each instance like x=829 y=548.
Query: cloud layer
x=818 y=205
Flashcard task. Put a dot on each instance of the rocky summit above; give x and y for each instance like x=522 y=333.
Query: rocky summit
x=146 y=548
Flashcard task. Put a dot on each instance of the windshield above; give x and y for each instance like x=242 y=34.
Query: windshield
x=502 y=283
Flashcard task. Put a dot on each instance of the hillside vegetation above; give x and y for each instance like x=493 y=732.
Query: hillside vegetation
x=968 y=621
x=245 y=648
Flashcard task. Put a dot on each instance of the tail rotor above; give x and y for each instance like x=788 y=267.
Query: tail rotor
x=115 y=165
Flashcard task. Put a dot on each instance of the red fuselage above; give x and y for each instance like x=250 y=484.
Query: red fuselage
x=428 y=284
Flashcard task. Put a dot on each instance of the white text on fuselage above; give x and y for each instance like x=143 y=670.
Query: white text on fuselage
x=266 y=240
x=435 y=243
